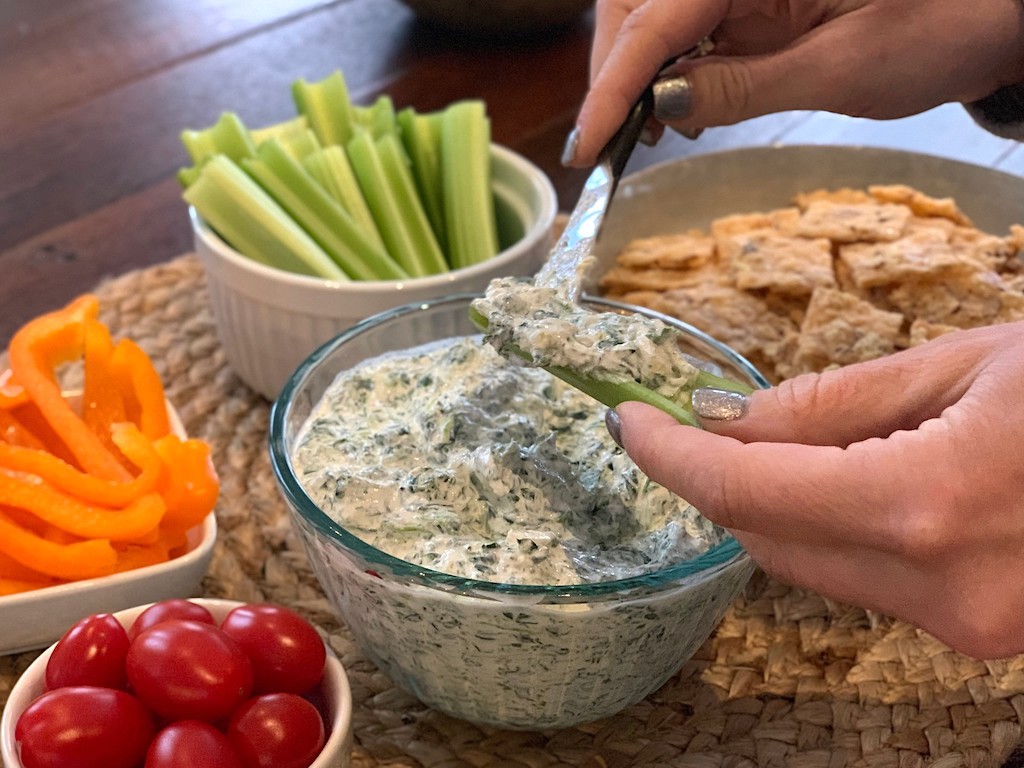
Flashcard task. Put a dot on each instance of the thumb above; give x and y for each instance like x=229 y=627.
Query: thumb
x=847 y=405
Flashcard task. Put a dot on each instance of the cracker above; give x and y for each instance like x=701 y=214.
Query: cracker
x=842 y=196
x=922 y=331
x=677 y=251
x=925 y=253
x=986 y=250
x=919 y=202
x=851 y=222
x=625 y=279
x=765 y=259
x=974 y=299
x=842 y=329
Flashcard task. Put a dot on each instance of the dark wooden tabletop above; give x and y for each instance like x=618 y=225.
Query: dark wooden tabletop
x=94 y=94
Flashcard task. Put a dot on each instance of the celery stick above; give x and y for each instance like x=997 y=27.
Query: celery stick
x=379 y=118
x=228 y=136
x=466 y=171
x=421 y=136
x=327 y=106
x=277 y=130
x=331 y=168
x=299 y=144
x=612 y=393
x=319 y=214
x=251 y=222
x=384 y=176
x=188 y=175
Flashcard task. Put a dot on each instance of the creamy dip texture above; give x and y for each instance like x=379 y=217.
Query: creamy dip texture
x=451 y=457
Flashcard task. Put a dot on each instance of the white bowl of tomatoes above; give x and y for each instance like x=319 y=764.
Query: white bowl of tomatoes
x=197 y=683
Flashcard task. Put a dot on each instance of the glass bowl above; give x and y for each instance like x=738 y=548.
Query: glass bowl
x=507 y=655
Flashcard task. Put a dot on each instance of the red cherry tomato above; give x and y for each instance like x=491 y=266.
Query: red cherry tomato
x=185 y=670
x=167 y=610
x=92 y=652
x=191 y=744
x=84 y=727
x=286 y=652
x=277 y=730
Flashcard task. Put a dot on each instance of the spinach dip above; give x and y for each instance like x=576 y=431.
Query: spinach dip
x=451 y=457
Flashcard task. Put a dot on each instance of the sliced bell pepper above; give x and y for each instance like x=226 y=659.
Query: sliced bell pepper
x=189 y=483
x=143 y=392
x=35 y=351
x=81 y=560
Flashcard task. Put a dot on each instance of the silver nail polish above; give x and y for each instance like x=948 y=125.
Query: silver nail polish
x=673 y=98
x=614 y=425
x=719 y=404
x=571 y=143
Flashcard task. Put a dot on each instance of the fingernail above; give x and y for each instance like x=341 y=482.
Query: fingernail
x=647 y=137
x=719 y=404
x=614 y=425
x=691 y=133
x=571 y=143
x=673 y=98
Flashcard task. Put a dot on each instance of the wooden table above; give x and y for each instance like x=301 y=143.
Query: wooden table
x=93 y=95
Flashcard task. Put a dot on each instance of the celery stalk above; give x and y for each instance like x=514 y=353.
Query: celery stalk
x=228 y=136
x=277 y=130
x=332 y=170
x=319 y=214
x=384 y=176
x=379 y=118
x=421 y=136
x=466 y=171
x=299 y=144
x=611 y=393
x=251 y=222
x=328 y=107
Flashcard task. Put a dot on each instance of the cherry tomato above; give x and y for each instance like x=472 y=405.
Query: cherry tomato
x=165 y=610
x=191 y=744
x=277 y=730
x=286 y=652
x=185 y=670
x=84 y=727
x=92 y=652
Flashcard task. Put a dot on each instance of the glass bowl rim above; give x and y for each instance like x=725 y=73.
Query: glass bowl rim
x=724 y=554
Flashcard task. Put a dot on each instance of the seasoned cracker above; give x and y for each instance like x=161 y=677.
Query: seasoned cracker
x=677 y=251
x=842 y=196
x=923 y=254
x=922 y=331
x=742 y=320
x=765 y=259
x=625 y=279
x=842 y=329
x=920 y=203
x=852 y=222
x=973 y=299
x=987 y=251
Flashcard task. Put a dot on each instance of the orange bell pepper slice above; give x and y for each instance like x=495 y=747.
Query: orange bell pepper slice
x=31 y=494
x=80 y=560
x=90 y=489
x=14 y=432
x=102 y=402
x=35 y=351
x=12 y=394
x=143 y=392
x=189 y=484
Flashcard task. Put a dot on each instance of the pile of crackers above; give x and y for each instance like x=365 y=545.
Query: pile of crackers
x=840 y=276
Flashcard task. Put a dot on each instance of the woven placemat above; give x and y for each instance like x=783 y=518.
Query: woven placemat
x=788 y=679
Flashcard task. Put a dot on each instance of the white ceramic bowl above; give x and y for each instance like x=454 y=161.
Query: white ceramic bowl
x=37 y=618
x=337 y=696
x=501 y=16
x=269 y=321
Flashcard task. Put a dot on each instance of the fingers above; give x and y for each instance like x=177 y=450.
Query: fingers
x=632 y=41
x=857 y=402
x=797 y=492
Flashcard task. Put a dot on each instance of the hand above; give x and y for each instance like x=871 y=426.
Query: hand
x=867 y=58
x=896 y=485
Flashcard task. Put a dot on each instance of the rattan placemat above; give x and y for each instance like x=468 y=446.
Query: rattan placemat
x=788 y=679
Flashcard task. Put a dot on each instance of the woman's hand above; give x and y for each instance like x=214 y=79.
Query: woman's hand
x=896 y=485
x=867 y=58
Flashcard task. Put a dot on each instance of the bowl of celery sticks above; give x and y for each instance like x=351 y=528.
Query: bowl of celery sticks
x=310 y=225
